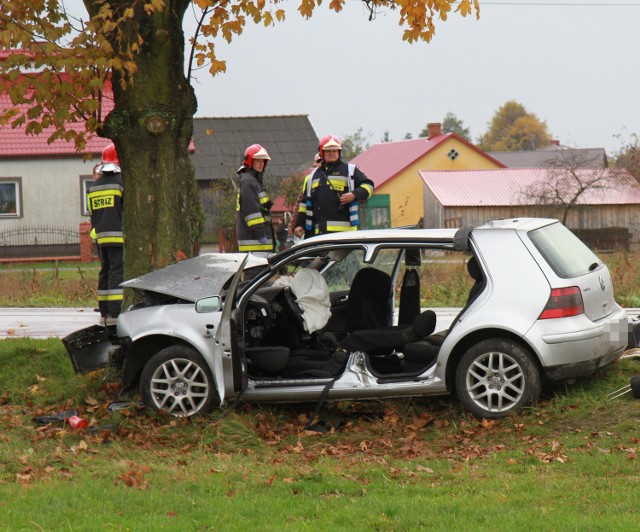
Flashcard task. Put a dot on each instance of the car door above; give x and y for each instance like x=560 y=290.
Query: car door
x=225 y=349
x=341 y=275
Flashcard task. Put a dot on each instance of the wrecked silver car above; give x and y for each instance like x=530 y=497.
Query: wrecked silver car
x=342 y=317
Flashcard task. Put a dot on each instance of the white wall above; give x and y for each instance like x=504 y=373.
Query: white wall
x=50 y=190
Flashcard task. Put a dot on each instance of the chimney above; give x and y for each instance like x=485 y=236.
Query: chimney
x=434 y=129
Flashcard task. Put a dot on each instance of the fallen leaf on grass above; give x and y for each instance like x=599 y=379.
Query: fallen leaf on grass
x=134 y=477
x=23 y=478
x=91 y=401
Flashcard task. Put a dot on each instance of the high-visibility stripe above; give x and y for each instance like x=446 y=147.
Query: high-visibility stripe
x=337 y=227
x=254 y=245
x=110 y=237
x=111 y=191
x=368 y=188
x=255 y=218
x=117 y=189
x=110 y=295
x=111 y=240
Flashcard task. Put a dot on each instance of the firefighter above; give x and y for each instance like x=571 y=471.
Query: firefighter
x=105 y=199
x=253 y=206
x=331 y=193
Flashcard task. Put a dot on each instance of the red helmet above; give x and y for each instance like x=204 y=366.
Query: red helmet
x=109 y=154
x=330 y=142
x=255 y=151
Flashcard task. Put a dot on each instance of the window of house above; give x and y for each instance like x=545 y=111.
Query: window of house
x=86 y=182
x=10 y=197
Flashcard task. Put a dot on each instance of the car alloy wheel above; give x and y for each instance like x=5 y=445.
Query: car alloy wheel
x=495 y=377
x=177 y=380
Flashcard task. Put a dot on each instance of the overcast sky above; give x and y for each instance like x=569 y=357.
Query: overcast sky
x=572 y=63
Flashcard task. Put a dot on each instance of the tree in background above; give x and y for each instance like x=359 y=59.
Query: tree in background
x=386 y=137
x=354 y=144
x=513 y=128
x=290 y=189
x=61 y=66
x=628 y=157
x=450 y=124
x=567 y=179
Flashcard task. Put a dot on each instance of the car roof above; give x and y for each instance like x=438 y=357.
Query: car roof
x=452 y=236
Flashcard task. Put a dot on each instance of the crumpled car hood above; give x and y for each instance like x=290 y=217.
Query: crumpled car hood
x=195 y=278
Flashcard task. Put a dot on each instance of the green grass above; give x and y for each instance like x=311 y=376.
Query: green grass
x=567 y=464
x=49 y=285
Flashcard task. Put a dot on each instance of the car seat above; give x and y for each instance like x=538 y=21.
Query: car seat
x=369 y=303
x=390 y=338
x=409 y=297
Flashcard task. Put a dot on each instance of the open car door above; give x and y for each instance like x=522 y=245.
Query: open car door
x=223 y=339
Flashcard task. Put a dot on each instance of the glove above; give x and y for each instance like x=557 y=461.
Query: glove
x=262 y=239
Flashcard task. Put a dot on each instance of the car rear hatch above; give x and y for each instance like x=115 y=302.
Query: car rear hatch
x=568 y=262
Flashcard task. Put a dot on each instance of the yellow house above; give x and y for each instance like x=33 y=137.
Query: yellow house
x=394 y=168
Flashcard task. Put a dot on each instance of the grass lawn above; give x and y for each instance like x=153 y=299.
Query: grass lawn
x=567 y=464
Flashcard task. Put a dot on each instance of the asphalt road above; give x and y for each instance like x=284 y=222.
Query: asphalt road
x=44 y=322
x=59 y=322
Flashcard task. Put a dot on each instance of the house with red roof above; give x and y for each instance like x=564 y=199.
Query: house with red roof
x=42 y=183
x=393 y=167
x=601 y=205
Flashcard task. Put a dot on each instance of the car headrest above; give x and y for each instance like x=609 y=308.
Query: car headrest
x=474 y=270
x=424 y=324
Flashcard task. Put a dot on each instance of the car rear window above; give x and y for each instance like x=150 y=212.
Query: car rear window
x=567 y=255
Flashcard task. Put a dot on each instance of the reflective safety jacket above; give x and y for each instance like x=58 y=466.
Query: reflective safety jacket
x=253 y=214
x=106 y=203
x=320 y=210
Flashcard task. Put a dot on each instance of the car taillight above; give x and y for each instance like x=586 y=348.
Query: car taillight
x=563 y=303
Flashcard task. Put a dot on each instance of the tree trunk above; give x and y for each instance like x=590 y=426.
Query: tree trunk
x=152 y=126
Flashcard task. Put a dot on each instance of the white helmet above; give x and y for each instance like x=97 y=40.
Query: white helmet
x=110 y=167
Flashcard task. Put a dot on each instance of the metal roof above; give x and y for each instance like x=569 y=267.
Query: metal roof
x=220 y=143
x=581 y=157
x=510 y=186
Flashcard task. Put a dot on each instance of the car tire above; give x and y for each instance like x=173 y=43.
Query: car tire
x=178 y=380
x=495 y=377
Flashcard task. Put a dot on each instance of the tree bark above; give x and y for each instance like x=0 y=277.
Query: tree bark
x=152 y=126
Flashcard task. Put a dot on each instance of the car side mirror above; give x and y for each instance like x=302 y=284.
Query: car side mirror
x=209 y=304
